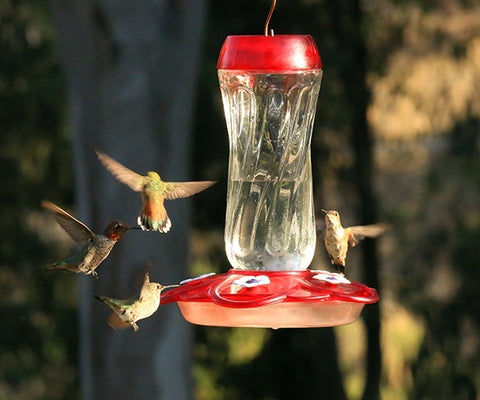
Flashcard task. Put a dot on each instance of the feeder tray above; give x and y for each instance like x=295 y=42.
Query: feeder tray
x=271 y=299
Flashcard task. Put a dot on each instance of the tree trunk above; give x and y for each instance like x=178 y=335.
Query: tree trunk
x=362 y=143
x=348 y=23
x=130 y=70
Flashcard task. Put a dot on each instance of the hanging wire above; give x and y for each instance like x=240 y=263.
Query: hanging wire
x=274 y=3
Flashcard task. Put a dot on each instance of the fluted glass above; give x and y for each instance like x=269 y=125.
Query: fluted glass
x=270 y=220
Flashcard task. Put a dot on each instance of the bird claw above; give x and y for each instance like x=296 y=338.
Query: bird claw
x=340 y=269
x=93 y=273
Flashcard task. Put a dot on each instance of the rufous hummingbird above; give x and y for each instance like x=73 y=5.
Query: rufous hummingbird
x=127 y=312
x=337 y=238
x=93 y=248
x=153 y=215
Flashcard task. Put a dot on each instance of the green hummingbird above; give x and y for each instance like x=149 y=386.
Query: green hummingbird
x=153 y=215
x=93 y=248
x=127 y=312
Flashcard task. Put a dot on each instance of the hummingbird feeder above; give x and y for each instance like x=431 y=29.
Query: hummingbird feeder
x=269 y=85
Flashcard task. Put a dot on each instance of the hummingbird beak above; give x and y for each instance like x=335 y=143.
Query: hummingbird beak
x=324 y=211
x=169 y=286
x=134 y=227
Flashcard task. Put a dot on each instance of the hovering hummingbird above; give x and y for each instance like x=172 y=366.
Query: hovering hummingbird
x=153 y=215
x=93 y=248
x=127 y=312
x=337 y=238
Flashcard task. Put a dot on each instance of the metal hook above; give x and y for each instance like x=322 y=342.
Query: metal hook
x=274 y=3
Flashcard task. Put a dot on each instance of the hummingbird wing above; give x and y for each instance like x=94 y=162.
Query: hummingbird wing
x=133 y=180
x=177 y=190
x=76 y=229
x=320 y=225
x=116 y=322
x=144 y=289
x=358 y=233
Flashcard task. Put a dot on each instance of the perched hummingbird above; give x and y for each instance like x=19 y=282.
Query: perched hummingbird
x=93 y=248
x=127 y=312
x=152 y=216
x=337 y=238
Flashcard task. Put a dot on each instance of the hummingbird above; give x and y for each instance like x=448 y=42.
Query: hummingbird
x=93 y=248
x=153 y=215
x=127 y=312
x=337 y=238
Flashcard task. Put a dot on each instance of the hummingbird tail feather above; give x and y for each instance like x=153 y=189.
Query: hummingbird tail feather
x=108 y=301
x=101 y=298
x=55 y=267
x=49 y=267
x=154 y=221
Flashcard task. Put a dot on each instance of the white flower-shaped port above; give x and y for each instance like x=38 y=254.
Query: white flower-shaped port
x=197 y=278
x=331 y=277
x=252 y=281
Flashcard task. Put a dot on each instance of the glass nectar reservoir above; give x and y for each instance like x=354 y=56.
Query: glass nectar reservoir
x=270 y=86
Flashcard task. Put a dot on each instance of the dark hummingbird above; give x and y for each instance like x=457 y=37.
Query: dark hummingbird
x=337 y=238
x=93 y=248
x=127 y=312
x=153 y=215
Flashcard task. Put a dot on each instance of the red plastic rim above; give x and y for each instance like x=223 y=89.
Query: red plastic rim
x=252 y=289
x=280 y=53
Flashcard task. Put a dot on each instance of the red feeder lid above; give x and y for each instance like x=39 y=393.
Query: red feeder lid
x=279 y=53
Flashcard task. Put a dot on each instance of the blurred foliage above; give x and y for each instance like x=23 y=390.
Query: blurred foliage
x=423 y=74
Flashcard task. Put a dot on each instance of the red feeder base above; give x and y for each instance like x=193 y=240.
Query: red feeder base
x=271 y=299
